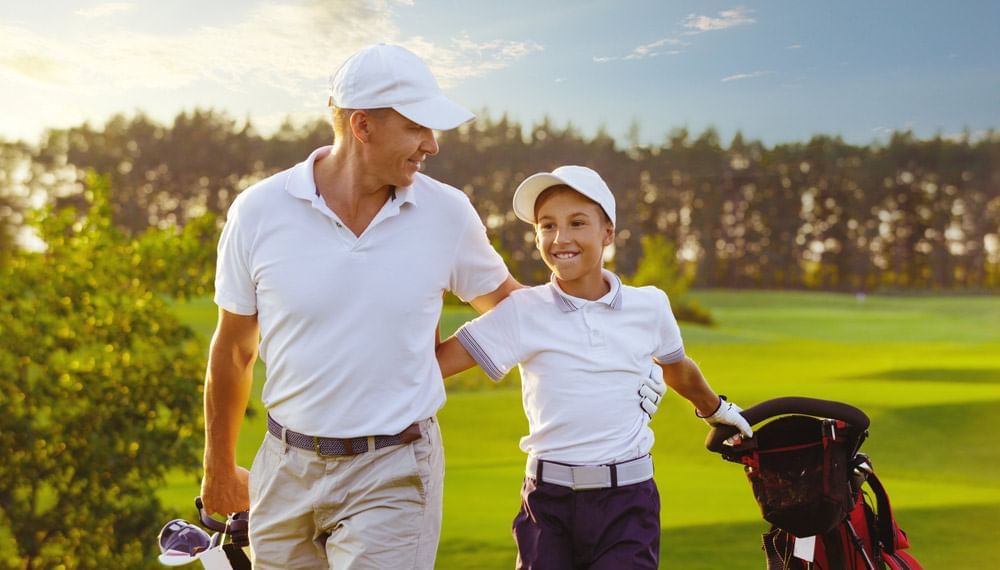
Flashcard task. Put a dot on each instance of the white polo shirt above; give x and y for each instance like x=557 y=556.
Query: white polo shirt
x=348 y=323
x=582 y=363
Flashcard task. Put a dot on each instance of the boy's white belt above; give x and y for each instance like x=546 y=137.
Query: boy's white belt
x=578 y=477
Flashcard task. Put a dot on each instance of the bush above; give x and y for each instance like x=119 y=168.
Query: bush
x=102 y=388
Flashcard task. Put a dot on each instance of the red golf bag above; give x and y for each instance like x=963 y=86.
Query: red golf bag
x=827 y=508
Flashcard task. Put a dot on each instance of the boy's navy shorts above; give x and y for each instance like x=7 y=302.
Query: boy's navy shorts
x=558 y=527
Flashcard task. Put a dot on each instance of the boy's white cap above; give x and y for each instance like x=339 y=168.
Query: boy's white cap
x=382 y=76
x=579 y=178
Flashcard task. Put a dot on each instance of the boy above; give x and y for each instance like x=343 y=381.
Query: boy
x=584 y=343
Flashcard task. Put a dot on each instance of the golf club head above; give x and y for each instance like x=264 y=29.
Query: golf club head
x=181 y=542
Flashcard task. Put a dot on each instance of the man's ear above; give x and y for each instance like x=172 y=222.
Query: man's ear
x=609 y=234
x=361 y=126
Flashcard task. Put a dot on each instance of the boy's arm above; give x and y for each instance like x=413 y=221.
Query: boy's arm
x=452 y=357
x=686 y=379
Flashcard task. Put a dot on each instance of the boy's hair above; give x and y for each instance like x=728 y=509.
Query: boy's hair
x=560 y=189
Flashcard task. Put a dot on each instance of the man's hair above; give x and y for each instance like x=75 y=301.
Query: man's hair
x=560 y=189
x=341 y=119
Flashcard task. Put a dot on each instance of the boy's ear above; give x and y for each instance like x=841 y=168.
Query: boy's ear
x=609 y=234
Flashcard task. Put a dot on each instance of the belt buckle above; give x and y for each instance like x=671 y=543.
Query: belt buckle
x=590 y=477
x=319 y=451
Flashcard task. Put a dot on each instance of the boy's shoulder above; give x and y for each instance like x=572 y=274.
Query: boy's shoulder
x=532 y=295
x=643 y=297
x=648 y=292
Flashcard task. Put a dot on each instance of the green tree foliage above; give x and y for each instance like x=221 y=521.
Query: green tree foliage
x=101 y=388
x=659 y=267
x=823 y=214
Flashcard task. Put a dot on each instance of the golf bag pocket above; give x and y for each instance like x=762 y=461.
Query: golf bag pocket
x=799 y=475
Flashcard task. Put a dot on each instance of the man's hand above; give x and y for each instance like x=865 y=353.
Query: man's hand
x=652 y=391
x=728 y=413
x=226 y=493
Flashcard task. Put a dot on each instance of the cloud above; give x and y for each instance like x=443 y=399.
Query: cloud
x=738 y=16
x=793 y=46
x=292 y=48
x=105 y=9
x=741 y=76
x=693 y=24
x=469 y=58
x=651 y=49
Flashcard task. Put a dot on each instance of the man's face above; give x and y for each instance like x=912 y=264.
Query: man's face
x=398 y=147
x=571 y=233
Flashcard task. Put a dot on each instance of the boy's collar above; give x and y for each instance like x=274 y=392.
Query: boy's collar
x=568 y=303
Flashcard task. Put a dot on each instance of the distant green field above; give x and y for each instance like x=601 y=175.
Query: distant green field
x=926 y=369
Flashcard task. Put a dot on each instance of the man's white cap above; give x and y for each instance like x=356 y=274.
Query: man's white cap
x=382 y=76
x=579 y=178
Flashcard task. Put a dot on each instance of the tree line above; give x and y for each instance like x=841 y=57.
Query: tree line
x=908 y=213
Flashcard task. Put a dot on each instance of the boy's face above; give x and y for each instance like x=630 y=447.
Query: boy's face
x=571 y=234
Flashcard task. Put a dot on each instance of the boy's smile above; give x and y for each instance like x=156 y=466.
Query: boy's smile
x=571 y=234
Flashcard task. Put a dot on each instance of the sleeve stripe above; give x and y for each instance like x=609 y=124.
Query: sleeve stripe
x=479 y=355
x=675 y=356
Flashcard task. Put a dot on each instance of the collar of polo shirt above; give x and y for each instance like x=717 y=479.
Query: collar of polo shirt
x=568 y=303
x=301 y=182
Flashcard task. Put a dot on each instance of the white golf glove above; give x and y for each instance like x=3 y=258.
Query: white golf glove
x=652 y=391
x=728 y=413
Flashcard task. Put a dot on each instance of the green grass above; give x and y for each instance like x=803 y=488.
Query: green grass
x=926 y=369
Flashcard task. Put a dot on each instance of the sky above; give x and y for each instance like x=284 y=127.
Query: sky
x=777 y=71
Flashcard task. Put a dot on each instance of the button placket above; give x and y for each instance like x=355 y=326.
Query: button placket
x=594 y=334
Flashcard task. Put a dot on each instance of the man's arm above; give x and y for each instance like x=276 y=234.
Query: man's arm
x=486 y=302
x=227 y=391
x=452 y=357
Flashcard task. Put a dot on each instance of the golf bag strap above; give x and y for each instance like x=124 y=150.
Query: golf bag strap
x=883 y=517
x=833 y=546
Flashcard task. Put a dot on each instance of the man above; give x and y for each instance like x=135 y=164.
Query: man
x=337 y=266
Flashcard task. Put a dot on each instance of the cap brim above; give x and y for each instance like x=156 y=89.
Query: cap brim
x=439 y=113
x=527 y=192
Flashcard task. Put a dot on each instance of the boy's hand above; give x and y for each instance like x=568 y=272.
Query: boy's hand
x=728 y=413
x=652 y=391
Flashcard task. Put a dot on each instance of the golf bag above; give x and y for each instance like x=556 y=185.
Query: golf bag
x=810 y=482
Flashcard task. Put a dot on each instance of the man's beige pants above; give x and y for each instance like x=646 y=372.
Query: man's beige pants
x=380 y=509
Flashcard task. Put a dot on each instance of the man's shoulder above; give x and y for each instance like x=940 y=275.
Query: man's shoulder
x=263 y=192
x=438 y=193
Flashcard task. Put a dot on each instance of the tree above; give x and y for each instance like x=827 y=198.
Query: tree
x=658 y=267
x=101 y=390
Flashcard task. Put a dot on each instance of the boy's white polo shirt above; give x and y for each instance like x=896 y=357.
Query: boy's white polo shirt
x=582 y=363
x=348 y=323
